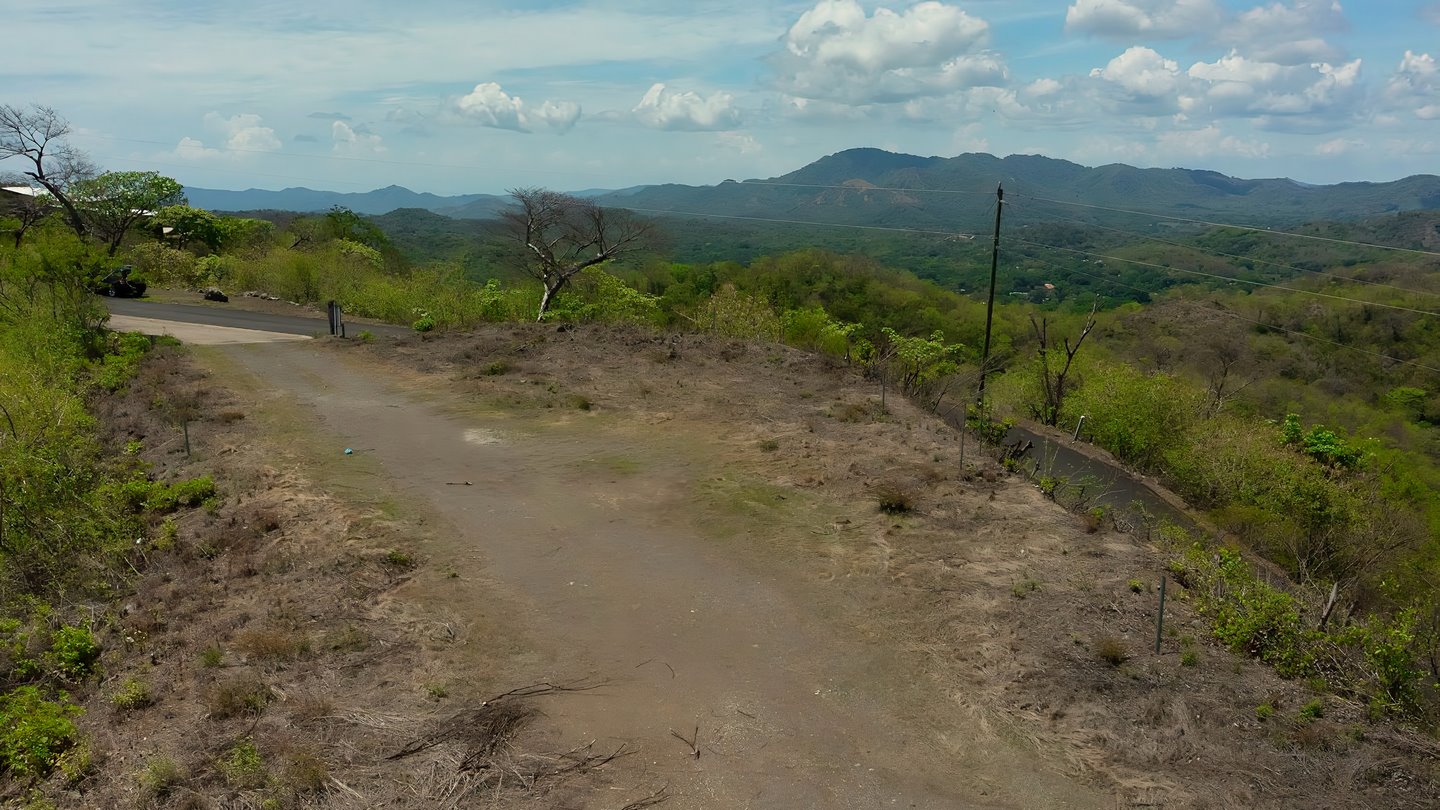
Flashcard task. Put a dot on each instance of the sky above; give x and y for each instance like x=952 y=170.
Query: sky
x=474 y=96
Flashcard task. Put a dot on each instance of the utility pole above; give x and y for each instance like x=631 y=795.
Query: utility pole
x=990 y=307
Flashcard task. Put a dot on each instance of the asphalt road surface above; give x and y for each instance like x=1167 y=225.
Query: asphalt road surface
x=238 y=318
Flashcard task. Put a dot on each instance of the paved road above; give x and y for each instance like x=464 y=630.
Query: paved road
x=238 y=318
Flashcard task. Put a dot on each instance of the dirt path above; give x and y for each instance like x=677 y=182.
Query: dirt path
x=582 y=533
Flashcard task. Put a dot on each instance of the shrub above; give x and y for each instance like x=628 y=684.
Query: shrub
x=239 y=696
x=34 y=731
x=894 y=499
x=1111 y=650
x=133 y=694
x=159 y=776
x=73 y=652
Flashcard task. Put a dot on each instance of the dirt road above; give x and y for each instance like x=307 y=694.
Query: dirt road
x=592 y=539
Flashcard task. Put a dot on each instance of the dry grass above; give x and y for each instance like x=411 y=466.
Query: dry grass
x=271 y=645
x=1111 y=650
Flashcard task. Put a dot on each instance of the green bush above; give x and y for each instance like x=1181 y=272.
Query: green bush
x=34 y=731
x=73 y=652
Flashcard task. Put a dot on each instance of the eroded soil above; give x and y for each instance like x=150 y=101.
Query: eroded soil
x=685 y=531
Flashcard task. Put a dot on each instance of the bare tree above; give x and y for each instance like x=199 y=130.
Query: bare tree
x=37 y=135
x=27 y=208
x=1055 y=382
x=562 y=235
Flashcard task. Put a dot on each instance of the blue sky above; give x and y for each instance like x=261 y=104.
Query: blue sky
x=456 y=96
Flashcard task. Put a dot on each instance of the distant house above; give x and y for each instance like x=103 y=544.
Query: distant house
x=13 y=198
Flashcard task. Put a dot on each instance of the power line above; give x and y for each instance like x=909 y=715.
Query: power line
x=1201 y=250
x=1237 y=227
x=1227 y=278
x=1294 y=332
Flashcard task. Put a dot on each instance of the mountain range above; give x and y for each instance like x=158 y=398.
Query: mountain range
x=877 y=188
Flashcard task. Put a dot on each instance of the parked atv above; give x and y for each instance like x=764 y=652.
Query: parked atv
x=118 y=284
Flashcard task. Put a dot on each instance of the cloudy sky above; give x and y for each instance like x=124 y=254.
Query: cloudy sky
x=455 y=96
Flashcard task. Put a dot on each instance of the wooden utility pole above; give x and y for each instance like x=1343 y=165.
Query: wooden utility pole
x=990 y=306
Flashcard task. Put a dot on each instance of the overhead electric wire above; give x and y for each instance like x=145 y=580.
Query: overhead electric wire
x=1209 y=251
x=1251 y=228
x=1306 y=335
x=1225 y=278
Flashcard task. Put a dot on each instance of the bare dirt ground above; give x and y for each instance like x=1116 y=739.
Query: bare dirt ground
x=683 y=535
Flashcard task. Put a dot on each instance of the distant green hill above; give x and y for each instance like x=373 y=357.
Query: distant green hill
x=879 y=188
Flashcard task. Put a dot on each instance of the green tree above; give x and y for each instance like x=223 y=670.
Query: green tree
x=192 y=226
x=114 y=201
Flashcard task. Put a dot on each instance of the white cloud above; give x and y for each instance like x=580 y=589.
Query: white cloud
x=1288 y=34
x=1414 y=87
x=490 y=106
x=1208 y=141
x=738 y=142
x=1141 y=73
x=662 y=108
x=1339 y=147
x=350 y=143
x=1238 y=86
x=1128 y=19
x=240 y=135
x=836 y=52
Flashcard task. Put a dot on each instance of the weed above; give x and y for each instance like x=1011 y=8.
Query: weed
x=1136 y=586
x=1095 y=519
x=239 y=696
x=1024 y=588
x=496 y=368
x=230 y=417
x=436 y=691
x=1189 y=658
x=579 y=402
x=212 y=657
x=244 y=768
x=424 y=323
x=1111 y=650
x=133 y=694
x=1264 y=712
x=894 y=499
x=160 y=776
x=1314 y=710
x=134 y=447
x=769 y=445
x=366 y=336
x=398 y=559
